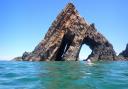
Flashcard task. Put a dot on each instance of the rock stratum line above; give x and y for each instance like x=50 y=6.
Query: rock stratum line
x=65 y=38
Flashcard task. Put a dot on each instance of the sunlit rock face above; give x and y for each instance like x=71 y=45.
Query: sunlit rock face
x=65 y=38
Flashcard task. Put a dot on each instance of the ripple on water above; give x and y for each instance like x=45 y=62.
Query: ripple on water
x=63 y=75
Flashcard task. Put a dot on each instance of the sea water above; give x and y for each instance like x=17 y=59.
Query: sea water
x=63 y=75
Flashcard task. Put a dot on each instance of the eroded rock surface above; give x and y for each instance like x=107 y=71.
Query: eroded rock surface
x=124 y=54
x=65 y=38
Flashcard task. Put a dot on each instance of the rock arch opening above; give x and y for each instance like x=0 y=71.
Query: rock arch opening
x=85 y=51
x=65 y=38
x=65 y=44
x=87 y=48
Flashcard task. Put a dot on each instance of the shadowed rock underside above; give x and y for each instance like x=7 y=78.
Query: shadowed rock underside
x=65 y=38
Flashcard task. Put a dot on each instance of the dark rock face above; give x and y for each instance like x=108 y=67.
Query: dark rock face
x=65 y=38
x=124 y=54
x=100 y=46
x=17 y=59
x=25 y=54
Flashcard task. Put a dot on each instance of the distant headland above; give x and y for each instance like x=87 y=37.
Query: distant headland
x=65 y=38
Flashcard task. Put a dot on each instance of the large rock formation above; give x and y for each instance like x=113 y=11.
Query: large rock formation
x=65 y=38
x=124 y=54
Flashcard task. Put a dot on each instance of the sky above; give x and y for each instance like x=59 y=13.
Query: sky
x=23 y=23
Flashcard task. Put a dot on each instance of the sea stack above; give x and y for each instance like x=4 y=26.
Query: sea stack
x=65 y=38
x=124 y=54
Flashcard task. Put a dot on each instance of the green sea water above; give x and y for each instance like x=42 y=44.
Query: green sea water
x=63 y=75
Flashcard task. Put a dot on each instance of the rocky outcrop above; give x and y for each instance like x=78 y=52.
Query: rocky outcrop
x=101 y=48
x=17 y=59
x=65 y=38
x=124 y=54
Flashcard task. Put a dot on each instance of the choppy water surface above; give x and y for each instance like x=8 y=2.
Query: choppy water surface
x=63 y=75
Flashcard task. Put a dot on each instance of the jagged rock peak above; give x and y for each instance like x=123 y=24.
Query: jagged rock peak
x=69 y=5
x=65 y=38
x=126 y=47
x=70 y=10
x=124 y=53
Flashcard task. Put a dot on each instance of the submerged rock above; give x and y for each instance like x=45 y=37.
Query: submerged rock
x=65 y=38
